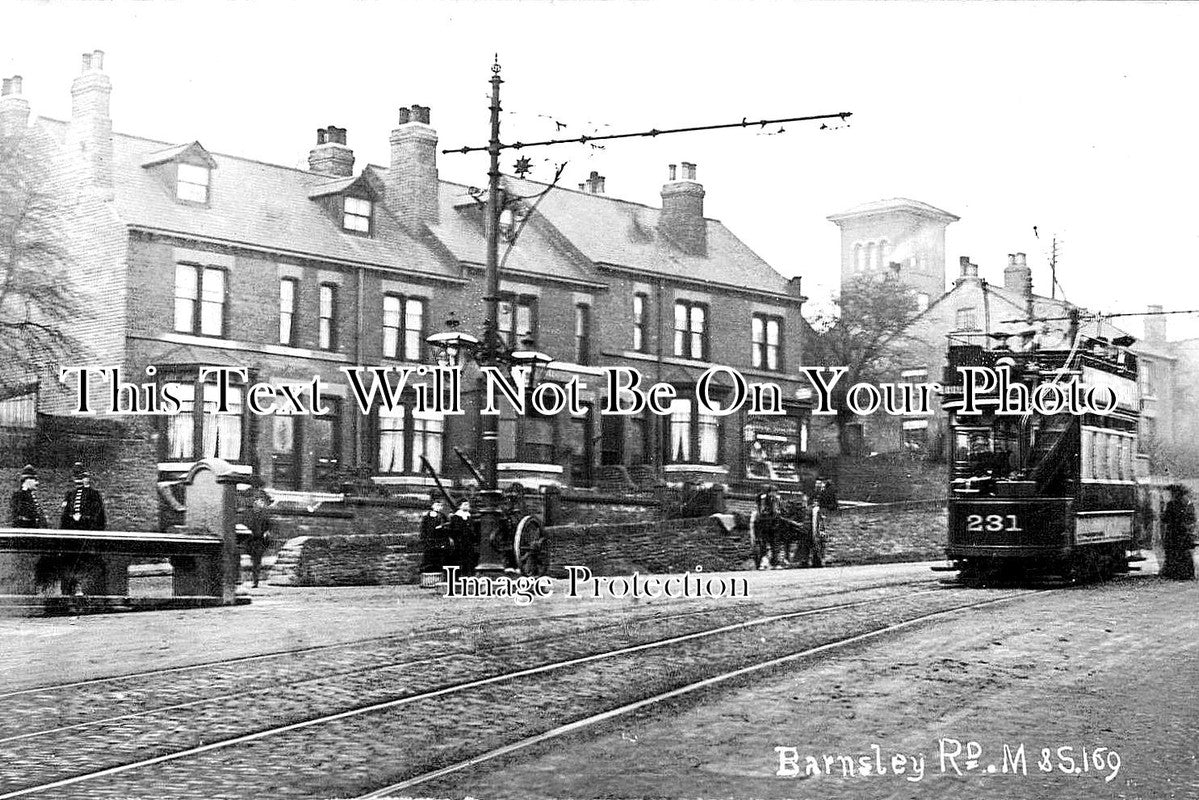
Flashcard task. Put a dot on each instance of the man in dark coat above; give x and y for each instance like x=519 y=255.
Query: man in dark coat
x=83 y=507
x=1178 y=535
x=26 y=510
x=258 y=520
x=435 y=539
x=464 y=530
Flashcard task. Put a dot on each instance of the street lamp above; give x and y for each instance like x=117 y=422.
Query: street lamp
x=454 y=348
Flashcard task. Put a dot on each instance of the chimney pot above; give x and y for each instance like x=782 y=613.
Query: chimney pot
x=405 y=116
x=87 y=62
x=98 y=59
x=1021 y=260
x=6 y=87
x=1011 y=259
x=688 y=171
x=420 y=114
x=338 y=160
x=673 y=170
x=16 y=84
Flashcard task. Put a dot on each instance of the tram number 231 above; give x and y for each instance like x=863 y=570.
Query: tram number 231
x=992 y=522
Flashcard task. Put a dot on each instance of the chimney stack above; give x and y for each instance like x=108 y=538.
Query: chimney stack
x=331 y=156
x=969 y=270
x=682 y=217
x=412 y=181
x=90 y=131
x=1155 y=326
x=14 y=108
x=594 y=184
x=1017 y=278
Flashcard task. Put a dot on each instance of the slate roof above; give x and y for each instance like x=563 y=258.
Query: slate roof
x=272 y=207
x=1013 y=312
x=258 y=204
x=538 y=252
x=624 y=234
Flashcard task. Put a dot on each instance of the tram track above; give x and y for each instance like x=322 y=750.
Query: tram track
x=612 y=667
x=420 y=634
x=346 y=673
x=73 y=705
x=648 y=702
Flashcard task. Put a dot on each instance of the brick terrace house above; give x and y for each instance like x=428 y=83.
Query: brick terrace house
x=183 y=258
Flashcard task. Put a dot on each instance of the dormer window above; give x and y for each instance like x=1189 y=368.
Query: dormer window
x=357 y=216
x=192 y=183
x=185 y=170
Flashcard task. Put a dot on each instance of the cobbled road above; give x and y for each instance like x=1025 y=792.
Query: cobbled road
x=51 y=736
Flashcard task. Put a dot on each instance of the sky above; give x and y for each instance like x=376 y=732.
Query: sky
x=1076 y=118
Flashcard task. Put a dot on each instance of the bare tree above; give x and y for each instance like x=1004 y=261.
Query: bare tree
x=36 y=303
x=870 y=321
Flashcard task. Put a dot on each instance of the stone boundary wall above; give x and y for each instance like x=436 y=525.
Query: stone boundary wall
x=367 y=560
x=912 y=531
x=333 y=554
x=657 y=547
x=586 y=508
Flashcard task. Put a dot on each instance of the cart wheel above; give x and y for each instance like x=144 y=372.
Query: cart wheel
x=532 y=547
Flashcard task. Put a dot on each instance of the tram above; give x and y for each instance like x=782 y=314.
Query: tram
x=1045 y=491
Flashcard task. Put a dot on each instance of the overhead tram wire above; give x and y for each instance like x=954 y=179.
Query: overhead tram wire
x=652 y=132
x=1090 y=314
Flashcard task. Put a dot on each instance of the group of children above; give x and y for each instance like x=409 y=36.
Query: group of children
x=454 y=539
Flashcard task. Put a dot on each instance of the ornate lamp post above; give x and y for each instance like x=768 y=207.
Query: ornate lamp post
x=455 y=346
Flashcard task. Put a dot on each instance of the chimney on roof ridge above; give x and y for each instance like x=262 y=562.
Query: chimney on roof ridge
x=969 y=271
x=14 y=109
x=412 y=179
x=682 y=218
x=90 y=130
x=1017 y=278
x=1155 y=326
x=331 y=156
x=594 y=184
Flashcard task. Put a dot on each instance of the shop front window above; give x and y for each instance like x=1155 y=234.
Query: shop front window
x=773 y=449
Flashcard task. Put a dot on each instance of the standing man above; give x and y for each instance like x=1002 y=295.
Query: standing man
x=83 y=507
x=434 y=537
x=259 y=523
x=465 y=532
x=1178 y=535
x=26 y=510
